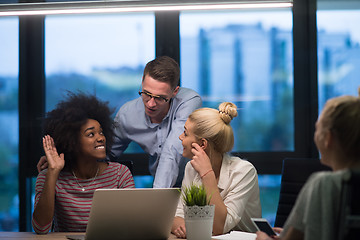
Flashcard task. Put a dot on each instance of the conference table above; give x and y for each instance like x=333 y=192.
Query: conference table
x=49 y=236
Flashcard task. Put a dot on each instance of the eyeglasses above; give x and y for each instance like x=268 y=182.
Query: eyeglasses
x=158 y=99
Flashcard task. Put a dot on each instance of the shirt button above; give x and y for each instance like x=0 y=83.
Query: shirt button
x=159 y=146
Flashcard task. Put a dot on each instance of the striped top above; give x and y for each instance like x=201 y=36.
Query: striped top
x=72 y=206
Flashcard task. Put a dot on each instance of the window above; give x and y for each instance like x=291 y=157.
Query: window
x=338 y=52
x=98 y=54
x=269 y=186
x=9 y=124
x=244 y=57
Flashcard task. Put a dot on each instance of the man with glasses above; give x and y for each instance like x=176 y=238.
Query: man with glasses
x=155 y=121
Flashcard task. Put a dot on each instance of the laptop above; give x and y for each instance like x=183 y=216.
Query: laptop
x=145 y=213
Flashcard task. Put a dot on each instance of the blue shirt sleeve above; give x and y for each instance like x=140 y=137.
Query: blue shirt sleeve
x=171 y=154
x=121 y=137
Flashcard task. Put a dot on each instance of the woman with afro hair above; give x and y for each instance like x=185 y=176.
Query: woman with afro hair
x=78 y=135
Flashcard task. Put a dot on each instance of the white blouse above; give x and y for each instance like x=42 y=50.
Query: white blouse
x=239 y=189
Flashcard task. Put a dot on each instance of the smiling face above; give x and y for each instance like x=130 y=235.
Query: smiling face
x=187 y=138
x=92 y=140
x=154 y=110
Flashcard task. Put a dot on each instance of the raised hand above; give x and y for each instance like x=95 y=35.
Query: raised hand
x=55 y=161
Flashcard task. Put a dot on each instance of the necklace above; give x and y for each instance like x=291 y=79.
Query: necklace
x=81 y=187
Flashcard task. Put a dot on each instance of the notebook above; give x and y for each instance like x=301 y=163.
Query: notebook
x=131 y=214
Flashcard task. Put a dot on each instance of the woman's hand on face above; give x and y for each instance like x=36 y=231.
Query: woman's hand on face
x=55 y=161
x=200 y=161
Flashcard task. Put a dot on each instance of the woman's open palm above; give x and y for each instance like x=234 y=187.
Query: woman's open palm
x=55 y=161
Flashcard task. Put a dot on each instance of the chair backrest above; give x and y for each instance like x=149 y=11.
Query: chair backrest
x=349 y=216
x=128 y=163
x=295 y=172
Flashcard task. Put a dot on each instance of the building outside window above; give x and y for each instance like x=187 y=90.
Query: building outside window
x=245 y=57
x=338 y=50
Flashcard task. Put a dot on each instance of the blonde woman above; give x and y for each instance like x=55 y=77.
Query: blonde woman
x=231 y=181
x=337 y=137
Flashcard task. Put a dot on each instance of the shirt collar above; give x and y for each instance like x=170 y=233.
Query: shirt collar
x=169 y=111
x=224 y=171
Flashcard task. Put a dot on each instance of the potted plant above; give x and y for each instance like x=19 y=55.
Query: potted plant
x=199 y=214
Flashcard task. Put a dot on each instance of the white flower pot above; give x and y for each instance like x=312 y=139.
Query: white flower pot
x=199 y=222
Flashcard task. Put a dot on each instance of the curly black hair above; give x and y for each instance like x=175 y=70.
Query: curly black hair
x=63 y=123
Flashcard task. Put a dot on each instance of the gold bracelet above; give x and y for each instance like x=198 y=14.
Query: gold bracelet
x=206 y=173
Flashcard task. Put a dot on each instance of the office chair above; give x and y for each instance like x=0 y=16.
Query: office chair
x=295 y=172
x=129 y=164
x=349 y=214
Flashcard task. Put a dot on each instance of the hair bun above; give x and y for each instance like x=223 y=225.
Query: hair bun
x=227 y=111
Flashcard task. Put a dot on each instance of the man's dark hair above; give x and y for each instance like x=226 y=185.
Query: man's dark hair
x=63 y=123
x=163 y=69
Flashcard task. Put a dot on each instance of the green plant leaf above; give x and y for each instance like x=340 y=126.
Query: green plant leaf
x=195 y=195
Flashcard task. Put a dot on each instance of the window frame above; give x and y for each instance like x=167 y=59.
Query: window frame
x=32 y=95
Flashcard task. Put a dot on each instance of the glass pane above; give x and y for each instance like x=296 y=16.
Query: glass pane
x=338 y=53
x=99 y=54
x=9 y=124
x=245 y=57
x=269 y=186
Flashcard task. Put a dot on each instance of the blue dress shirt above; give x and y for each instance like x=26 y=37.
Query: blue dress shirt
x=160 y=140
